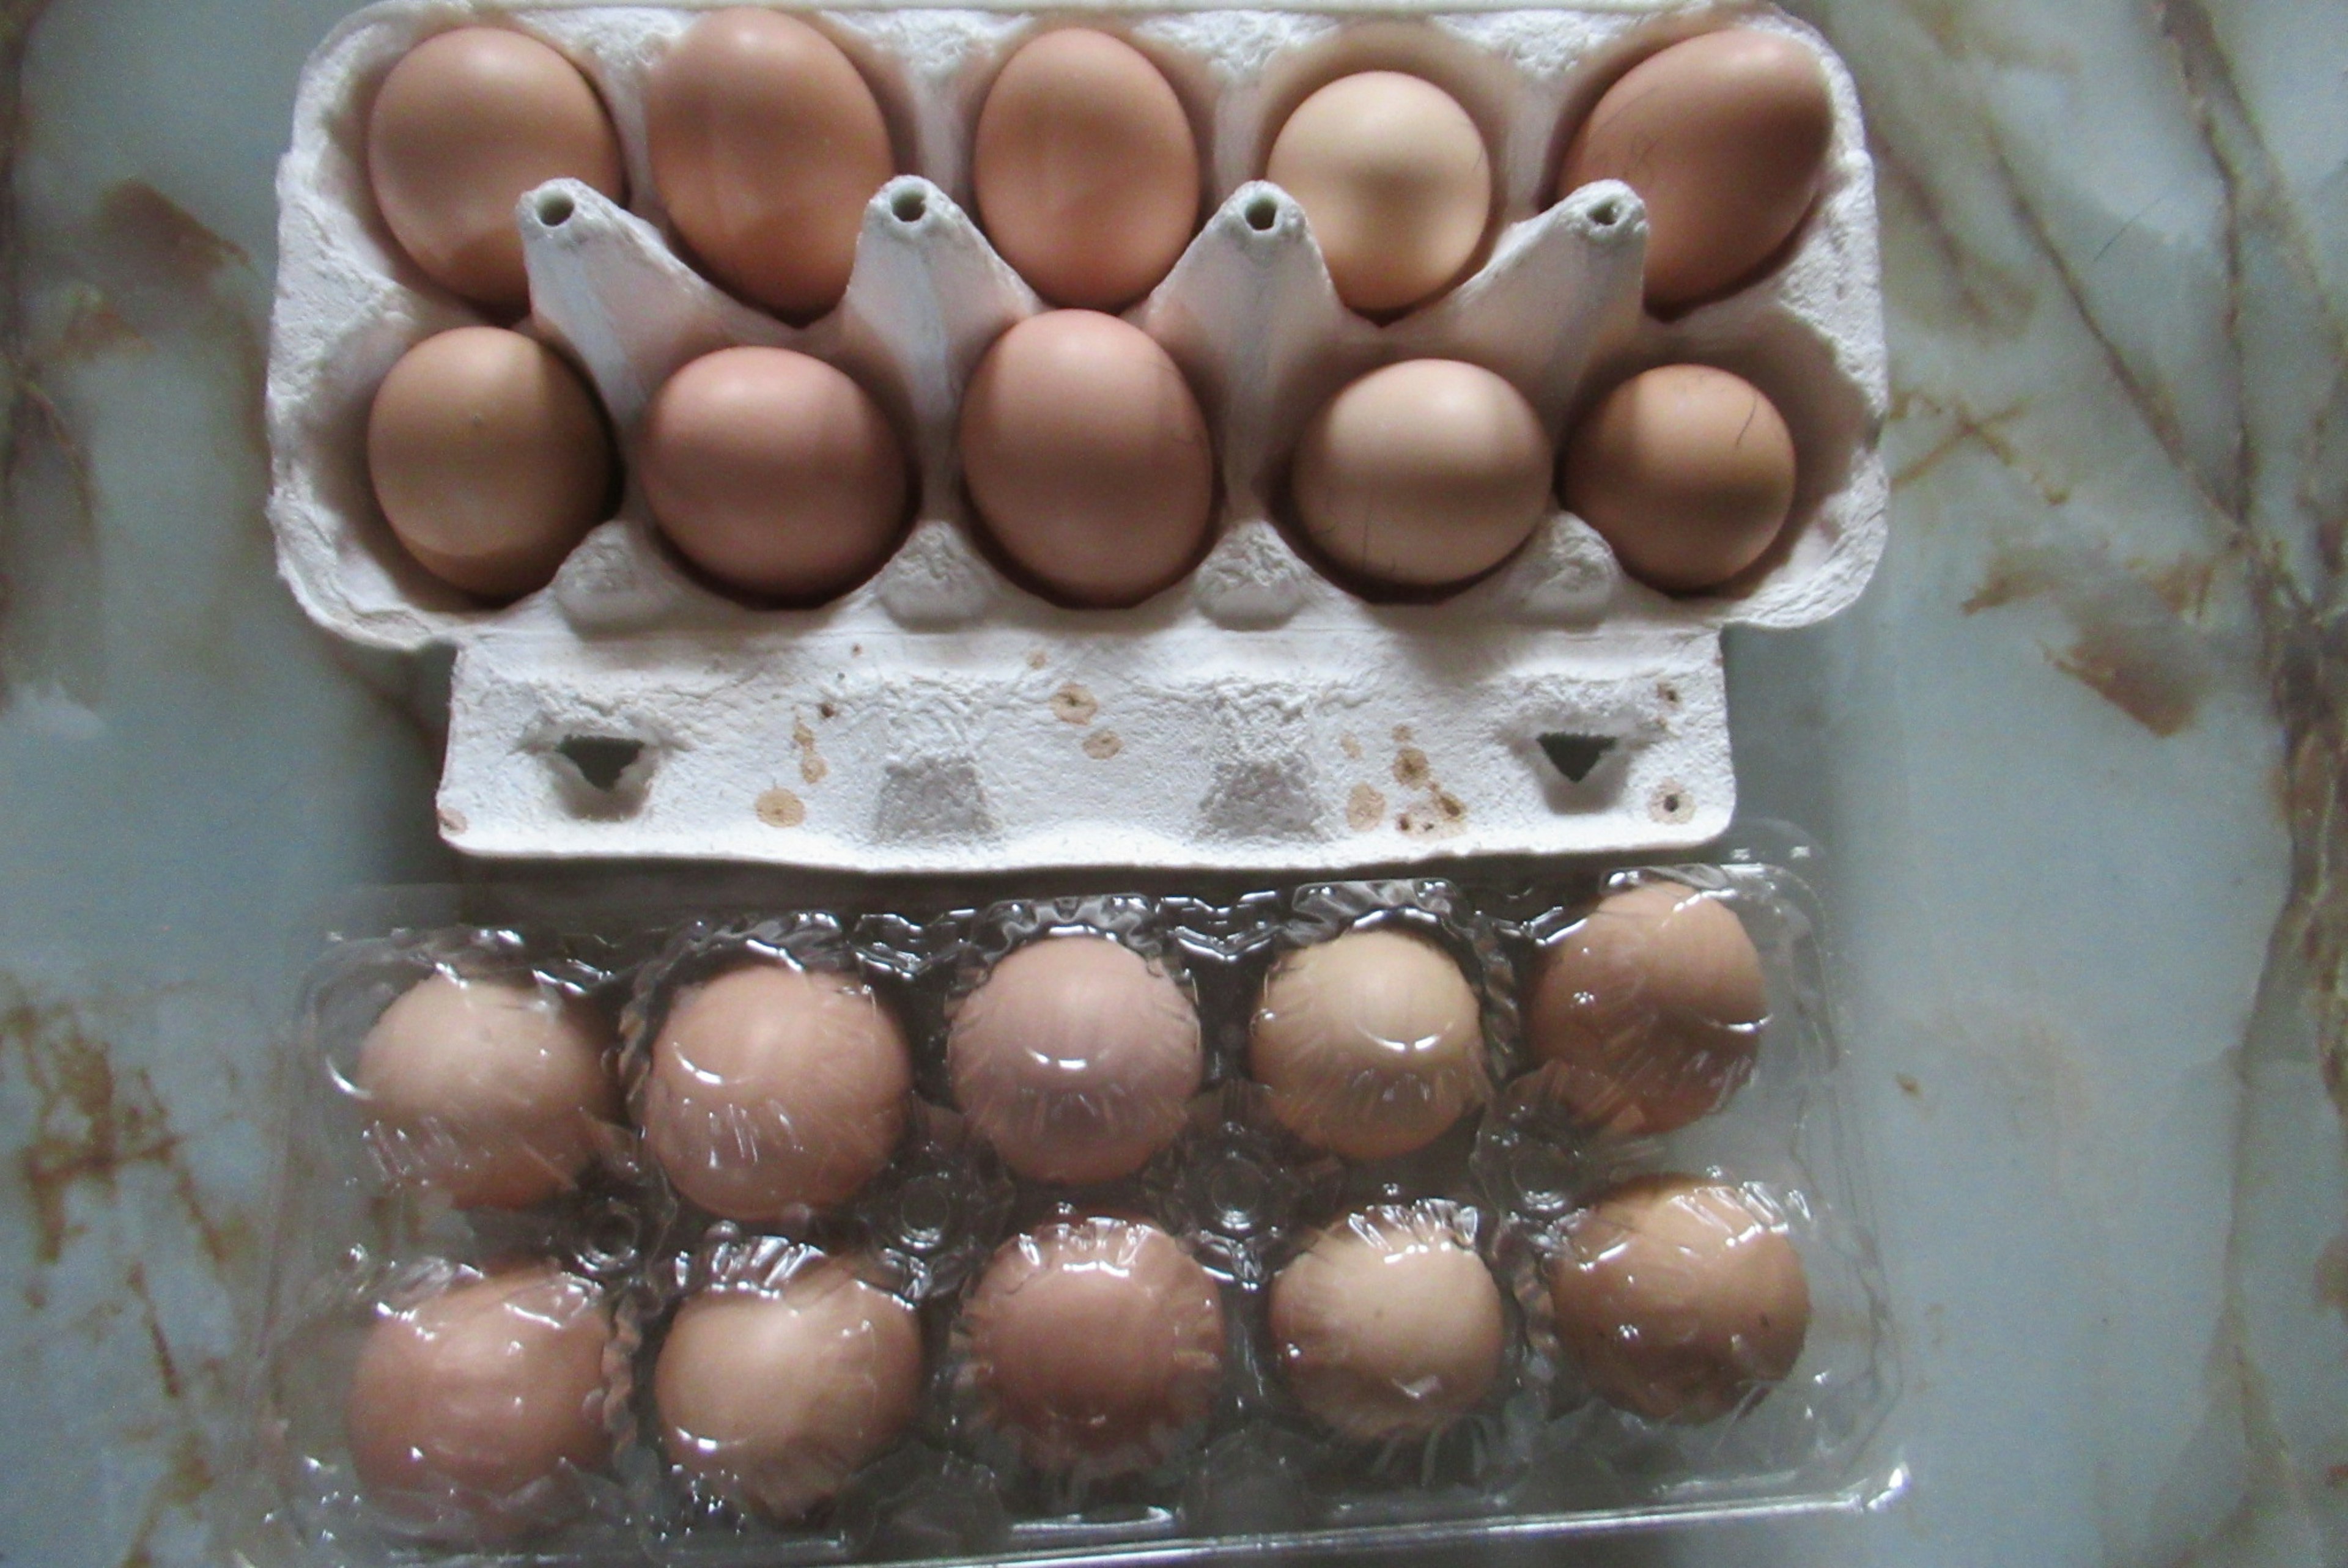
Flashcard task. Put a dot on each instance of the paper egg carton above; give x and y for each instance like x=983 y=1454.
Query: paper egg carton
x=940 y=718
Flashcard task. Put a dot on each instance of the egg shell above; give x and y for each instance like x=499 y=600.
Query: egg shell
x=1388 y=1326
x=1096 y=1345
x=467 y=123
x=1680 y=1299
x=1370 y=1044
x=1686 y=471
x=774 y=473
x=488 y=457
x=1394 y=180
x=1085 y=169
x=1088 y=458
x=773 y=1398
x=1724 y=138
x=1647 y=1015
x=495 y=1092
x=766 y=143
x=1425 y=474
x=470 y=1413
x=774 y=1090
x=1076 y=1057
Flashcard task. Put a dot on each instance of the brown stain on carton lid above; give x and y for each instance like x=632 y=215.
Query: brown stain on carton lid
x=813 y=769
x=1073 y=704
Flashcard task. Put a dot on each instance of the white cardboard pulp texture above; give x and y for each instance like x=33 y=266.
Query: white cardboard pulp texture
x=938 y=718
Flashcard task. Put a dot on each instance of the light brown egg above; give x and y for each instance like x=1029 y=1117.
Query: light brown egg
x=470 y=1413
x=1088 y=458
x=1076 y=1059
x=766 y=144
x=1680 y=1298
x=774 y=472
x=494 y=1091
x=774 y=1090
x=1725 y=138
x=466 y=124
x=1647 y=1014
x=1096 y=1345
x=488 y=457
x=1394 y=182
x=1389 y=1326
x=1085 y=171
x=1372 y=1044
x=1424 y=474
x=1688 y=473
x=773 y=1398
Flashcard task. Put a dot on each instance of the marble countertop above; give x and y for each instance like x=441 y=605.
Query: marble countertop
x=2076 y=765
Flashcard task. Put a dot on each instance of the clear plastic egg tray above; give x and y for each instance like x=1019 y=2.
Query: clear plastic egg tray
x=940 y=718
x=1539 y=1456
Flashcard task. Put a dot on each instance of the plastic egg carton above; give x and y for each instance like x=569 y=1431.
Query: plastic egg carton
x=939 y=717
x=1539 y=1456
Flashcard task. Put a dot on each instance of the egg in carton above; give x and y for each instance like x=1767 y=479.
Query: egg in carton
x=943 y=716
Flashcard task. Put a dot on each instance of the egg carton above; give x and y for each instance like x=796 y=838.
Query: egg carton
x=940 y=717
x=1542 y=1457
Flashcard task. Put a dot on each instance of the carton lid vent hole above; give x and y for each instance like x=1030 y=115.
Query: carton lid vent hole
x=600 y=759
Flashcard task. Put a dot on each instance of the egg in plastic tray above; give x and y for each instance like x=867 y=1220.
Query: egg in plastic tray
x=939 y=716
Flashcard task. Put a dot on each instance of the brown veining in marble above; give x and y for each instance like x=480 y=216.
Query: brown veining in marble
x=2305 y=658
x=1985 y=253
x=2131 y=641
x=148 y=273
x=93 y=1122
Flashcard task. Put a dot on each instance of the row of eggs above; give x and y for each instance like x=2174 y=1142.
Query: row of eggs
x=1086 y=457
x=1095 y=1344
x=771 y=1091
x=766 y=143
x=1095 y=1341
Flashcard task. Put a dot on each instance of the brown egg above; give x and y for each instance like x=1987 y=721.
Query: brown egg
x=766 y=143
x=1422 y=475
x=1088 y=458
x=1646 y=1015
x=1679 y=1299
x=1688 y=473
x=1395 y=183
x=1085 y=171
x=1388 y=1326
x=1725 y=138
x=491 y=1091
x=1096 y=1345
x=470 y=1413
x=1076 y=1059
x=489 y=457
x=466 y=124
x=773 y=1398
x=1372 y=1044
x=774 y=472
x=775 y=1090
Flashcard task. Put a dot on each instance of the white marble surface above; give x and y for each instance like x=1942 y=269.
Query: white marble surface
x=2074 y=762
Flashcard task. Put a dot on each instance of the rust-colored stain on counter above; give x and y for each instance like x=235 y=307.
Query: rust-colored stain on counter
x=148 y=275
x=2154 y=695
x=2130 y=643
x=91 y=1123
